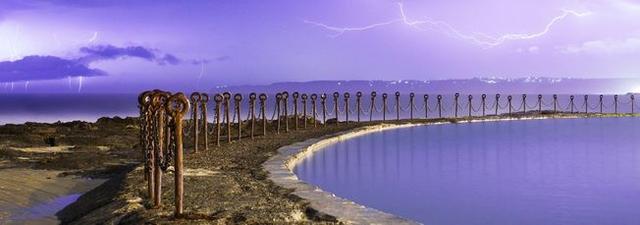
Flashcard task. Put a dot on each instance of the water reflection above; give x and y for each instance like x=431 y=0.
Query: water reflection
x=570 y=171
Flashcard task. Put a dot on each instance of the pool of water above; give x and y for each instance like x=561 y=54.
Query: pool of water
x=556 y=171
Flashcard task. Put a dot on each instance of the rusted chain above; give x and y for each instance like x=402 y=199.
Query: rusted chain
x=177 y=105
x=263 y=108
x=295 y=95
x=358 y=106
x=227 y=111
x=285 y=100
x=304 y=110
x=278 y=102
x=205 y=123
x=252 y=108
x=218 y=98
x=323 y=102
x=384 y=106
x=314 y=97
x=335 y=106
x=346 y=96
x=195 y=102
x=373 y=105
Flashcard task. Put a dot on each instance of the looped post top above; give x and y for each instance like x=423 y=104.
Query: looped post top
x=397 y=94
x=373 y=94
x=279 y=96
x=601 y=97
x=586 y=97
x=314 y=96
x=346 y=95
x=484 y=96
x=237 y=97
x=539 y=96
x=524 y=96
x=204 y=97
x=195 y=97
x=359 y=94
x=218 y=98
x=158 y=98
x=439 y=97
x=384 y=95
x=470 y=97
x=555 y=96
x=412 y=95
x=295 y=95
x=509 y=97
x=285 y=94
x=226 y=95
x=144 y=99
x=336 y=95
x=497 y=96
x=457 y=95
x=571 y=97
x=426 y=97
x=177 y=105
x=252 y=96
x=263 y=97
x=615 y=96
x=323 y=96
x=633 y=97
x=304 y=96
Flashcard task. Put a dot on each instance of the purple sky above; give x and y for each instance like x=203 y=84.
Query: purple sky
x=126 y=46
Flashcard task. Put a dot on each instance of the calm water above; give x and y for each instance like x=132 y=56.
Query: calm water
x=560 y=171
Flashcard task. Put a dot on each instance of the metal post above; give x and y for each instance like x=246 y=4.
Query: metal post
x=615 y=102
x=633 y=101
x=524 y=103
x=601 y=104
x=227 y=106
x=285 y=99
x=426 y=106
x=195 y=101
x=358 y=105
x=218 y=98
x=372 y=107
x=144 y=102
x=484 y=104
x=304 y=110
x=470 y=107
x=295 y=109
x=177 y=106
x=586 y=103
x=278 y=102
x=439 y=106
x=411 y=96
x=397 y=105
x=555 y=103
x=205 y=123
x=162 y=100
x=263 y=109
x=323 y=102
x=346 y=106
x=335 y=106
x=313 y=109
x=238 y=100
x=455 y=100
x=571 y=102
x=509 y=98
x=384 y=106
x=539 y=103
x=252 y=112
x=497 y=103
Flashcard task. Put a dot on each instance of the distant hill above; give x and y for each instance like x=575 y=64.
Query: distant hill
x=528 y=85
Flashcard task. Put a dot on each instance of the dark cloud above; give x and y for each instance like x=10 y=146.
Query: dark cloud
x=109 y=52
x=44 y=68
x=223 y=58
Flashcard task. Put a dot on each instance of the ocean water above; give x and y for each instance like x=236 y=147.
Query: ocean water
x=552 y=172
x=21 y=108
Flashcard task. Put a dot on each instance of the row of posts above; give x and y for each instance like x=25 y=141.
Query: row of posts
x=161 y=116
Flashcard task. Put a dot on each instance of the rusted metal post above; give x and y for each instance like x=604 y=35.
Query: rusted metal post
x=195 y=101
x=470 y=106
x=439 y=106
x=252 y=112
x=335 y=106
x=285 y=99
x=497 y=105
x=346 y=107
x=601 y=104
x=323 y=102
x=539 y=103
x=177 y=106
x=314 y=97
x=455 y=100
x=146 y=140
x=160 y=98
x=205 y=122
x=263 y=111
x=571 y=102
x=484 y=104
x=555 y=103
x=426 y=106
x=295 y=109
x=615 y=102
x=263 y=114
x=227 y=115
x=358 y=106
x=633 y=101
x=278 y=102
x=411 y=97
x=238 y=101
x=372 y=107
x=397 y=105
x=524 y=103
x=384 y=106
x=509 y=98
x=586 y=103
x=218 y=98
x=304 y=110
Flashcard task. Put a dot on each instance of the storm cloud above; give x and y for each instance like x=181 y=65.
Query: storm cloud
x=110 y=52
x=44 y=68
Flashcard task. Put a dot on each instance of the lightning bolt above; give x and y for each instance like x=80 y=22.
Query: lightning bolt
x=94 y=37
x=80 y=78
x=26 y=86
x=481 y=39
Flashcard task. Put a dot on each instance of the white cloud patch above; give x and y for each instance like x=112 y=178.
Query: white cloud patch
x=609 y=46
x=534 y=49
